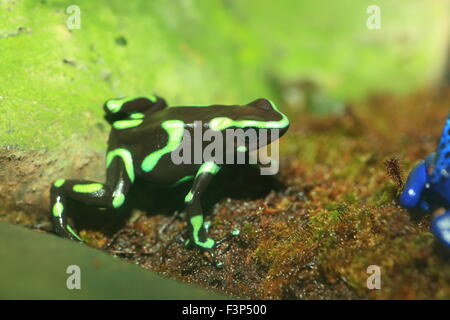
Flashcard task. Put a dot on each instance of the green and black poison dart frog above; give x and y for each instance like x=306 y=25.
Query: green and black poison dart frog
x=428 y=187
x=145 y=131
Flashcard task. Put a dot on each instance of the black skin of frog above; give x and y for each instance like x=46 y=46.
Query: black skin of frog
x=145 y=131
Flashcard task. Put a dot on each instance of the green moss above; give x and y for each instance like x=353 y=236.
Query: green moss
x=57 y=79
x=386 y=194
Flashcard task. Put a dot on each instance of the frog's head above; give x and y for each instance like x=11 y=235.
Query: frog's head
x=260 y=120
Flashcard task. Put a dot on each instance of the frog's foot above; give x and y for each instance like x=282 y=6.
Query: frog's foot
x=59 y=215
x=168 y=224
x=64 y=230
x=440 y=226
x=424 y=206
x=210 y=252
x=207 y=247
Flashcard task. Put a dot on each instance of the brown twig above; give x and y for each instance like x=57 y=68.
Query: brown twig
x=394 y=171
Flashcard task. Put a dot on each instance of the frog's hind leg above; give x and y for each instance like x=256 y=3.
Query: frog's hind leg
x=196 y=228
x=135 y=106
x=104 y=195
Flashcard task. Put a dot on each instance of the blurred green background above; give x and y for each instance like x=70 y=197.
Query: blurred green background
x=54 y=80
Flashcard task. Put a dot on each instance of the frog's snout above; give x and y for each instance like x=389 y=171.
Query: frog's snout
x=283 y=130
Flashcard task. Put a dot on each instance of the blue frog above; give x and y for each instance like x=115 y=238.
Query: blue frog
x=428 y=187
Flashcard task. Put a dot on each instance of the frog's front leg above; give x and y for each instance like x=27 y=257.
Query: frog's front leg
x=196 y=229
x=111 y=194
x=415 y=185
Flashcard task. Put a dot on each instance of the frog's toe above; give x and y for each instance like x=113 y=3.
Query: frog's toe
x=206 y=245
x=208 y=249
x=424 y=206
x=69 y=235
x=440 y=226
x=189 y=244
x=65 y=231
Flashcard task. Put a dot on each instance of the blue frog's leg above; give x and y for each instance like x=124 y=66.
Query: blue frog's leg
x=440 y=226
x=416 y=183
x=424 y=206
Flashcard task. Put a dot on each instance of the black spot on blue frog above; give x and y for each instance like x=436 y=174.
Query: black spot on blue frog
x=428 y=187
x=145 y=133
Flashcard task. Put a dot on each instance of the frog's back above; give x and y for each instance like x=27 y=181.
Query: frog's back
x=151 y=126
x=151 y=140
x=190 y=114
x=151 y=137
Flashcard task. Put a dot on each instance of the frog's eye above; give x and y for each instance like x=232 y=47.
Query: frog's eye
x=262 y=104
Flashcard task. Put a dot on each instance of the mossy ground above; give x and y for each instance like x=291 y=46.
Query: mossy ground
x=311 y=235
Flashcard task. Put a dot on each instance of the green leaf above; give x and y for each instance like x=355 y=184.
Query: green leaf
x=33 y=266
